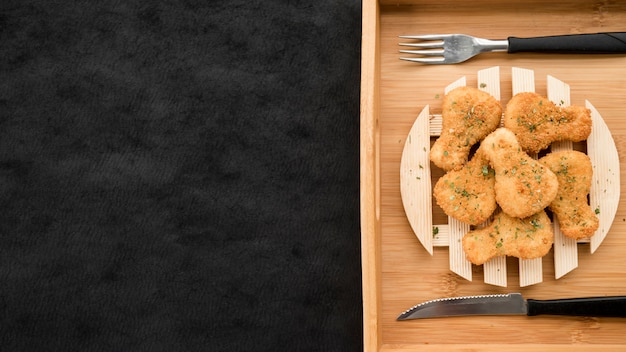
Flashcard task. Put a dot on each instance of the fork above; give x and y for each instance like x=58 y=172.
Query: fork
x=456 y=48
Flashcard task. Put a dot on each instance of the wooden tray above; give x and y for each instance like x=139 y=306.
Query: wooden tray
x=397 y=271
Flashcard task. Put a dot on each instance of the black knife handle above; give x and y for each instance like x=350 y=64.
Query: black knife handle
x=597 y=43
x=611 y=306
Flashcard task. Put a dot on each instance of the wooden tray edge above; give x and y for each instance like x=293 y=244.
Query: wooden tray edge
x=501 y=347
x=369 y=177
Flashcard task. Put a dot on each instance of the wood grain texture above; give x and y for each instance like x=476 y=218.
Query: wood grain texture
x=369 y=177
x=398 y=272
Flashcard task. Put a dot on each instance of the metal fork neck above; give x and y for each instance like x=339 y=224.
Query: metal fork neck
x=493 y=45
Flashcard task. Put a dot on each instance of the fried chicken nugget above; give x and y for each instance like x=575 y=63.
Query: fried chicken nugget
x=574 y=171
x=523 y=185
x=537 y=122
x=468 y=115
x=527 y=238
x=468 y=194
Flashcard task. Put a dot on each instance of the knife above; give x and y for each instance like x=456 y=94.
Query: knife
x=515 y=304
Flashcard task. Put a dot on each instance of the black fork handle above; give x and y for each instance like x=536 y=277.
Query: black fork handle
x=610 y=306
x=597 y=43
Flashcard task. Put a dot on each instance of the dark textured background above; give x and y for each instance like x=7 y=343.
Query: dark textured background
x=179 y=175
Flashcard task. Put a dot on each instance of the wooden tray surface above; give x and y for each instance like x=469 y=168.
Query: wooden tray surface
x=397 y=271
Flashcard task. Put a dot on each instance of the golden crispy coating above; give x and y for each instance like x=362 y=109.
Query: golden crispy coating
x=468 y=115
x=523 y=185
x=468 y=194
x=573 y=170
x=527 y=238
x=537 y=122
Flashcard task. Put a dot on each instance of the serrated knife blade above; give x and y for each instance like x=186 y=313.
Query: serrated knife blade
x=515 y=304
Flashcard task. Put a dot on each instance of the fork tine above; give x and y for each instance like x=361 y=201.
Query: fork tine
x=425 y=60
x=424 y=52
x=425 y=45
x=427 y=36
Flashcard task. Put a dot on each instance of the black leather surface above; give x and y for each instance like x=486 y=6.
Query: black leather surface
x=180 y=176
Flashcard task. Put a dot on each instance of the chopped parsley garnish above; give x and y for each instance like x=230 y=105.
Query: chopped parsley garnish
x=536 y=224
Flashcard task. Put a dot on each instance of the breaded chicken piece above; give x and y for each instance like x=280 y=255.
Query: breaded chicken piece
x=537 y=122
x=527 y=238
x=574 y=171
x=468 y=115
x=523 y=185
x=468 y=194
